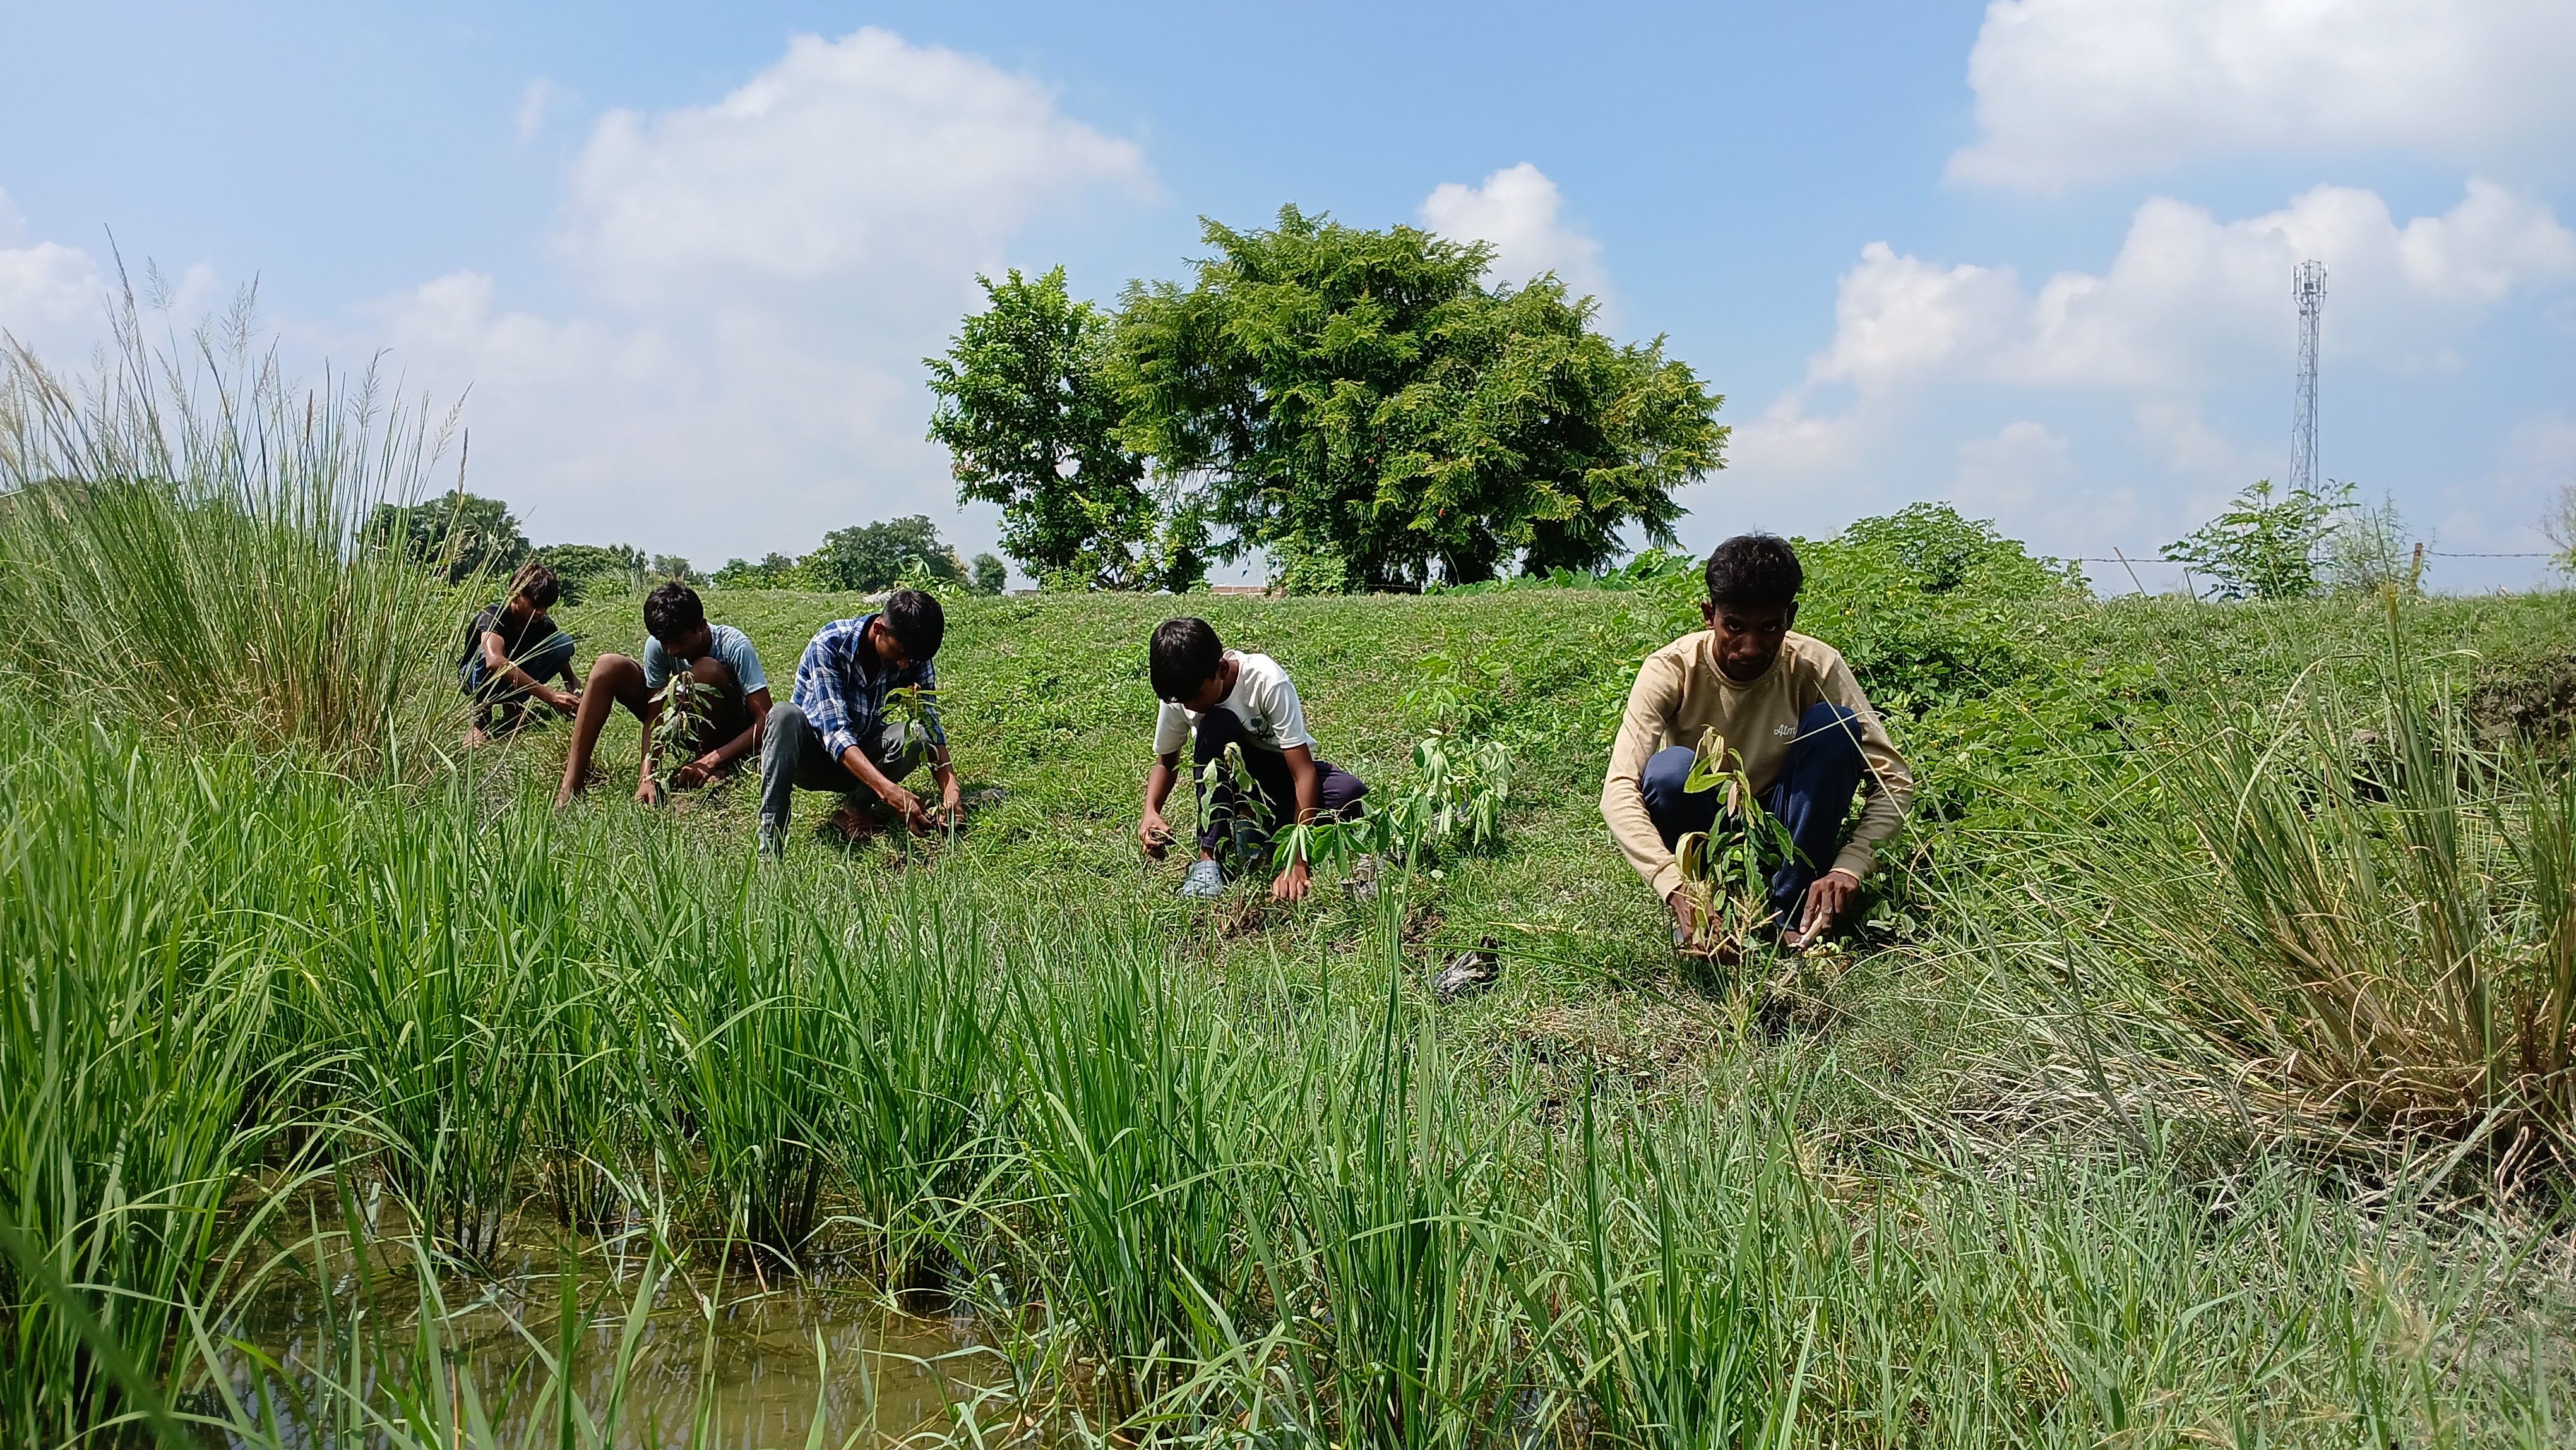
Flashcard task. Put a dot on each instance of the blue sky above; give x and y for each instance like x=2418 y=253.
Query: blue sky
x=2031 y=258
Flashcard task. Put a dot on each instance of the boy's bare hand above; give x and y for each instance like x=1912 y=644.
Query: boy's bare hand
x=568 y=701
x=692 y=775
x=1291 y=885
x=1154 y=834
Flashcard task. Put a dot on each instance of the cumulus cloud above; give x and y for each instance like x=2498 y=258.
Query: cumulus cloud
x=768 y=271
x=1519 y=210
x=2191 y=307
x=702 y=436
x=861 y=153
x=2070 y=91
x=49 y=293
x=2190 y=299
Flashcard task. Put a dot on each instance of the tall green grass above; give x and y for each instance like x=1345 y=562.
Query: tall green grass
x=2350 y=910
x=179 y=545
x=1304 y=1207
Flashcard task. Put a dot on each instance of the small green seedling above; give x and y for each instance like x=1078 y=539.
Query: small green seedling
x=916 y=709
x=1726 y=869
x=682 y=718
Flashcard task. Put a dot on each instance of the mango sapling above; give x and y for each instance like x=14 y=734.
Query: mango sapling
x=1726 y=870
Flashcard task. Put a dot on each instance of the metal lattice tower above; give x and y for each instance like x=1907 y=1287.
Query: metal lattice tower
x=2308 y=289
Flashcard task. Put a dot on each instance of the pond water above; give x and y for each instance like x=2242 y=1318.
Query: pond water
x=764 y=1358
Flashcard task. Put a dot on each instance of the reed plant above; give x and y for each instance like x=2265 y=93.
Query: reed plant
x=180 y=545
x=133 y=1025
x=746 y=1045
x=1397 y=1257
x=1140 y=1121
x=919 y=1055
x=2349 y=909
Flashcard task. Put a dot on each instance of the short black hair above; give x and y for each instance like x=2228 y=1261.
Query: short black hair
x=1755 y=571
x=917 y=622
x=1186 y=655
x=672 y=611
x=536 y=584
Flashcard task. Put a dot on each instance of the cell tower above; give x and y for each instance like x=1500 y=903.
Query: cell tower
x=2308 y=289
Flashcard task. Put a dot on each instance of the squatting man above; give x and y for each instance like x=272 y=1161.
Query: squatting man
x=1808 y=739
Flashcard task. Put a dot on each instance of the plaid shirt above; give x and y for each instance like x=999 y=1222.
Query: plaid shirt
x=842 y=689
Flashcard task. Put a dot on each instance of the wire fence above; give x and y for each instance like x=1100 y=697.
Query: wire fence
x=2156 y=558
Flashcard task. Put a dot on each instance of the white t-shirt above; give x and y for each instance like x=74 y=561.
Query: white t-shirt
x=1262 y=698
x=724 y=642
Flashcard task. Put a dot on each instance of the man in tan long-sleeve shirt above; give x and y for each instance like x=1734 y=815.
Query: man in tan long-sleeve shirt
x=1790 y=704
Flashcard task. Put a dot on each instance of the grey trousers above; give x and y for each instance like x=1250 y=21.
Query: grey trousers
x=793 y=757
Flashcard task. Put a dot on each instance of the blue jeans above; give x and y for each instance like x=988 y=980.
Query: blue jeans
x=544 y=662
x=1811 y=797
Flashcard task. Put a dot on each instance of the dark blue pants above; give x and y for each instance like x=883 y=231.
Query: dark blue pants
x=1811 y=797
x=1336 y=789
x=543 y=662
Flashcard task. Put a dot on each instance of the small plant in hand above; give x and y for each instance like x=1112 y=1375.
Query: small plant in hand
x=1726 y=870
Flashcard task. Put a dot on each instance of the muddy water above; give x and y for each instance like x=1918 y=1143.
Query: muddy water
x=750 y=1352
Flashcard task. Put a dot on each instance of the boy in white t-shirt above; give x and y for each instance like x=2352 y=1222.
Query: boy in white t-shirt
x=1217 y=697
x=678 y=640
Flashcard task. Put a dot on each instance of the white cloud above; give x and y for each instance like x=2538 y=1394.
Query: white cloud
x=845 y=157
x=1518 y=211
x=2006 y=472
x=2070 y=91
x=704 y=436
x=2190 y=300
x=2191 y=307
x=50 y=295
x=772 y=267
x=540 y=98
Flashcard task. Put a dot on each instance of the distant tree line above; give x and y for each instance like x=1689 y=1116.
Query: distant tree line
x=465 y=535
x=1359 y=406
x=868 y=558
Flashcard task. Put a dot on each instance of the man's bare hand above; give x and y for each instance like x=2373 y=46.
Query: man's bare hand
x=1828 y=900
x=648 y=793
x=1686 y=915
x=568 y=701
x=906 y=807
x=1154 y=835
x=1292 y=883
x=693 y=774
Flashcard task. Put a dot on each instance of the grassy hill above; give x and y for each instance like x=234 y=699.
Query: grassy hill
x=1227 y=1168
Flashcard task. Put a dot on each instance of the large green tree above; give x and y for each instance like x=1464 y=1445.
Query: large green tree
x=1029 y=415
x=1362 y=407
x=463 y=533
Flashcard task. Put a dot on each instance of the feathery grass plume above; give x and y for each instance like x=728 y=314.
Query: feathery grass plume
x=179 y=544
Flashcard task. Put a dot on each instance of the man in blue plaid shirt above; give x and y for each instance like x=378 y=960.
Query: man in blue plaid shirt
x=831 y=733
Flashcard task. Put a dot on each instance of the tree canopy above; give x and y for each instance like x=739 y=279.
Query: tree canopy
x=1359 y=404
x=1029 y=414
x=871 y=557
x=465 y=534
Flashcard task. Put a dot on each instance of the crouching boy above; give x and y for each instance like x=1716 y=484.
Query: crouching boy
x=513 y=649
x=833 y=734
x=1790 y=706
x=1219 y=697
x=725 y=699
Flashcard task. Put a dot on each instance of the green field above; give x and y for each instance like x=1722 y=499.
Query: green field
x=2028 y=1163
